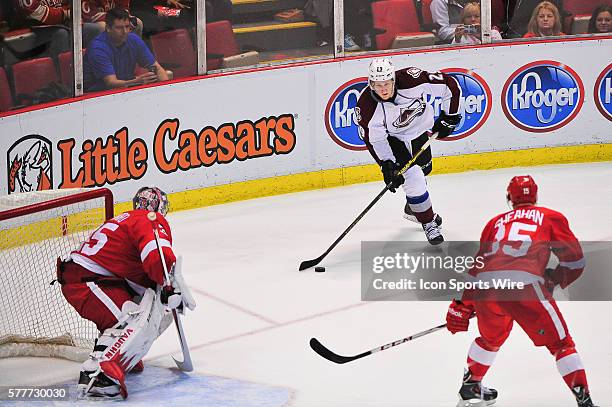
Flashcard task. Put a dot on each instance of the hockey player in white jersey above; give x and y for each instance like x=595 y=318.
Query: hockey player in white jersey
x=396 y=121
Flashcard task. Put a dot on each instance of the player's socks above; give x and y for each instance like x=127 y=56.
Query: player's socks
x=409 y=215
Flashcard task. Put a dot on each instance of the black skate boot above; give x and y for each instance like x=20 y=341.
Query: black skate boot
x=432 y=231
x=473 y=393
x=98 y=386
x=583 y=398
x=409 y=215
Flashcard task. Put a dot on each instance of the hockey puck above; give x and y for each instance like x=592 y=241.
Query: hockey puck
x=320 y=269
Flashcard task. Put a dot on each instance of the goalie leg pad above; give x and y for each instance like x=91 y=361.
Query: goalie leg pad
x=121 y=347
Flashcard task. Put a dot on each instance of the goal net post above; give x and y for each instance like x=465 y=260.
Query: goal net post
x=35 y=229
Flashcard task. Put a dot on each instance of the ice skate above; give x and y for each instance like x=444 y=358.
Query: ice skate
x=583 y=398
x=432 y=231
x=409 y=215
x=97 y=386
x=474 y=394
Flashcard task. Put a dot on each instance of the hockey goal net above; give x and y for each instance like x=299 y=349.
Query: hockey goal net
x=35 y=229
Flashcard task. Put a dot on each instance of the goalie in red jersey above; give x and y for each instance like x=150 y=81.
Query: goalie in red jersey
x=516 y=245
x=115 y=279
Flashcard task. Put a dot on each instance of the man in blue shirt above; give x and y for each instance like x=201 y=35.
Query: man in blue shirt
x=112 y=56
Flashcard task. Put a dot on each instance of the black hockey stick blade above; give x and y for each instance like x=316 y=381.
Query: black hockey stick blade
x=331 y=356
x=306 y=264
x=334 y=357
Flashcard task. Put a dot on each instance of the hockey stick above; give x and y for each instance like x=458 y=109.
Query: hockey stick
x=186 y=365
x=310 y=263
x=334 y=357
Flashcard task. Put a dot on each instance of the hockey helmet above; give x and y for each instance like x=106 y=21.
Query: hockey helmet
x=381 y=69
x=151 y=199
x=522 y=189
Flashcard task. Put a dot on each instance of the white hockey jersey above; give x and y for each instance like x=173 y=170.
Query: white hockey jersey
x=407 y=114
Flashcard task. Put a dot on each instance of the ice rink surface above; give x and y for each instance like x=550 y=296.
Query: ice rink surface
x=256 y=312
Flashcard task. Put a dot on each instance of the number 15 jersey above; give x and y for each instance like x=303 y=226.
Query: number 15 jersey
x=125 y=247
x=519 y=243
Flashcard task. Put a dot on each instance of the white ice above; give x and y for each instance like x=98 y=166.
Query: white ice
x=256 y=312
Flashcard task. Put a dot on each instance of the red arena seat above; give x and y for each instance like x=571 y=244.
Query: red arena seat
x=6 y=99
x=398 y=18
x=174 y=51
x=32 y=75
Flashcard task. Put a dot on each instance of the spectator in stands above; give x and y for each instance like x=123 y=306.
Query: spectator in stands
x=55 y=16
x=446 y=15
x=468 y=32
x=358 y=22
x=523 y=11
x=601 y=20
x=111 y=58
x=545 y=21
x=94 y=11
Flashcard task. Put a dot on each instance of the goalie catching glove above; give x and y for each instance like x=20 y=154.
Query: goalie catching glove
x=445 y=124
x=177 y=295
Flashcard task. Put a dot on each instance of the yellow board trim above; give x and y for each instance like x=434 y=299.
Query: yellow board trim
x=271 y=27
x=366 y=173
x=27 y=234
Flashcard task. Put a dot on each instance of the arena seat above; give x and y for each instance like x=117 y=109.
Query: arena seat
x=222 y=48
x=32 y=75
x=174 y=51
x=6 y=99
x=399 y=23
x=581 y=10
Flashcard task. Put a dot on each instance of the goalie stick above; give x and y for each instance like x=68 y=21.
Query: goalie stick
x=310 y=263
x=334 y=357
x=186 y=365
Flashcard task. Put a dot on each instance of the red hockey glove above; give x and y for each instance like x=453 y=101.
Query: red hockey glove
x=458 y=316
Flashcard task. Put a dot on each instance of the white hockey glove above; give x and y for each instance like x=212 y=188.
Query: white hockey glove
x=178 y=295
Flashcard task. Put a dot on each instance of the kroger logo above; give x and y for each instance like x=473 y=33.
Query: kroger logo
x=475 y=103
x=542 y=96
x=340 y=117
x=603 y=92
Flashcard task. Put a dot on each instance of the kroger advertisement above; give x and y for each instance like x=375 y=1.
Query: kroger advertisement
x=301 y=118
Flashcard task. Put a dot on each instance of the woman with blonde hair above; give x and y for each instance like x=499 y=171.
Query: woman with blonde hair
x=545 y=21
x=468 y=31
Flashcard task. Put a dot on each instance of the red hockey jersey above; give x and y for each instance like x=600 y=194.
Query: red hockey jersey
x=125 y=247
x=518 y=244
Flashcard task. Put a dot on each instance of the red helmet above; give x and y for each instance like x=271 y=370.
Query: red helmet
x=522 y=189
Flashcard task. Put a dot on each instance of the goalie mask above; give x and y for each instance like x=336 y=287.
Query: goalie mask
x=151 y=199
x=522 y=189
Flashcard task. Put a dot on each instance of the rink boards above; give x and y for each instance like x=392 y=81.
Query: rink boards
x=283 y=129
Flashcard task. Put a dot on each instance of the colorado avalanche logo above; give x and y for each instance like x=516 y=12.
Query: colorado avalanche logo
x=542 y=96
x=341 y=115
x=408 y=114
x=29 y=165
x=475 y=103
x=603 y=92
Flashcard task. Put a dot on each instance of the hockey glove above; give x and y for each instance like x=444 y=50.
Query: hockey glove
x=446 y=124
x=392 y=179
x=458 y=316
x=172 y=298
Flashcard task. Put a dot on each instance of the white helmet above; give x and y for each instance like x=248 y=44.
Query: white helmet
x=151 y=199
x=381 y=69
